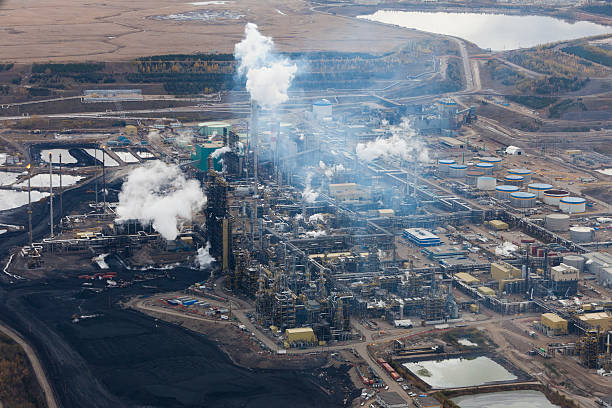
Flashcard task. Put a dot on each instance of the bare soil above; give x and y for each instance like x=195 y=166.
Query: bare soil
x=115 y=30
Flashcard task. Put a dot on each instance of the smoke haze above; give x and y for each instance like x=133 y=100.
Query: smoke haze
x=160 y=194
x=403 y=143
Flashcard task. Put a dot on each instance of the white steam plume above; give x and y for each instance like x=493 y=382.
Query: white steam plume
x=268 y=75
x=403 y=143
x=309 y=195
x=217 y=153
x=160 y=194
x=203 y=258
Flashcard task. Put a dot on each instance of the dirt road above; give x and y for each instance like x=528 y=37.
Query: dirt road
x=41 y=377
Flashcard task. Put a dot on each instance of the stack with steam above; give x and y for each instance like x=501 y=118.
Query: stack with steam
x=159 y=194
x=268 y=76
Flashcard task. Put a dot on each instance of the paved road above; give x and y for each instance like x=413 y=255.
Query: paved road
x=41 y=377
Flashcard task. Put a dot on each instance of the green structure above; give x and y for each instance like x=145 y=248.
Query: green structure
x=201 y=153
x=214 y=128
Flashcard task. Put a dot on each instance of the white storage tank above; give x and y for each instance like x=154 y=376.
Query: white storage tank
x=471 y=176
x=503 y=192
x=486 y=168
x=525 y=173
x=513 y=180
x=572 y=205
x=557 y=222
x=522 y=199
x=486 y=183
x=457 y=170
x=443 y=165
x=322 y=109
x=539 y=188
x=582 y=234
x=495 y=161
x=574 y=260
x=553 y=197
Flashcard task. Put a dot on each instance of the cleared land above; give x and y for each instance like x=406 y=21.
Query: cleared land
x=115 y=30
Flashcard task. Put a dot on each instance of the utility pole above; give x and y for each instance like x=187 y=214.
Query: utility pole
x=29 y=169
x=61 y=193
x=51 y=192
x=103 y=179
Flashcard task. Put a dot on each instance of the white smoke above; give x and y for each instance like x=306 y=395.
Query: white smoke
x=315 y=218
x=160 y=194
x=316 y=234
x=204 y=259
x=403 y=143
x=268 y=75
x=217 y=153
x=309 y=195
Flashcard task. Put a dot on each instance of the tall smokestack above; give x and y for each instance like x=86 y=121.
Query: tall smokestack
x=61 y=192
x=29 y=168
x=51 y=192
x=255 y=138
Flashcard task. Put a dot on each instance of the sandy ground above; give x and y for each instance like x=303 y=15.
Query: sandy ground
x=112 y=30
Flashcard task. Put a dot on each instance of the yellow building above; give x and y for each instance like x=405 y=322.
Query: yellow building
x=503 y=271
x=131 y=130
x=386 y=212
x=486 y=291
x=348 y=192
x=603 y=320
x=301 y=336
x=498 y=225
x=554 y=324
x=467 y=278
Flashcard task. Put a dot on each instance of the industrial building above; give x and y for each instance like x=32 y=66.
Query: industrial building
x=391 y=400
x=553 y=325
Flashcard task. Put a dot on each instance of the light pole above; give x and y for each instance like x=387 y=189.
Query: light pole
x=29 y=169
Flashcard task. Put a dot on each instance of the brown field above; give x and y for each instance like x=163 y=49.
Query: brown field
x=118 y=30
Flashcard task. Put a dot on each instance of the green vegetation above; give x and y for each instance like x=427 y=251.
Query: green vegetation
x=552 y=84
x=34 y=91
x=18 y=386
x=503 y=73
x=533 y=102
x=4 y=89
x=71 y=68
x=565 y=105
x=591 y=53
x=6 y=67
x=555 y=63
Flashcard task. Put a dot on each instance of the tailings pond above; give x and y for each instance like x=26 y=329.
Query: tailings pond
x=511 y=31
x=460 y=372
x=507 y=399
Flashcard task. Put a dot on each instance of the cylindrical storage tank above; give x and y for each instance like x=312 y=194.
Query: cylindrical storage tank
x=513 y=180
x=522 y=199
x=538 y=189
x=486 y=183
x=582 y=234
x=471 y=176
x=525 y=173
x=486 y=168
x=574 y=260
x=495 y=161
x=557 y=222
x=457 y=170
x=572 y=205
x=503 y=192
x=552 y=197
x=443 y=165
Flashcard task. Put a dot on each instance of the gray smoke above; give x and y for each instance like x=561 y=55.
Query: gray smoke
x=160 y=194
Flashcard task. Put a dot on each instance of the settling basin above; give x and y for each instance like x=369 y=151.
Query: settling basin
x=505 y=399
x=460 y=372
x=495 y=31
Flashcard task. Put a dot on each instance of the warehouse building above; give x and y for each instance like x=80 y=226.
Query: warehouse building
x=421 y=237
x=391 y=400
x=601 y=321
x=553 y=325
x=503 y=271
x=300 y=337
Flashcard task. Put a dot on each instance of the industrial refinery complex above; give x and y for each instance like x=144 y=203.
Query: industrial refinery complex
x=401 y=246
